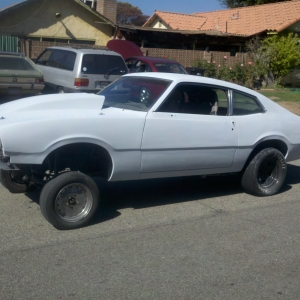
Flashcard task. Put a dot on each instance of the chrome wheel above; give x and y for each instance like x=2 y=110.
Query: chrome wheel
x=70 y=200
x=73 y=202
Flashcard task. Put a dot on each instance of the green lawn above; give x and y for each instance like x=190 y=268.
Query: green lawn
x=282 y=94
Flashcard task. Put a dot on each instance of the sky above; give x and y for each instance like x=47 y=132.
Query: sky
x=149 y=6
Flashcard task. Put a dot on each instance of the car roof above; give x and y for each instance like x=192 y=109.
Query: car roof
x=12 y=53
x=154 y=59
x=87 y=50
x=186 y=78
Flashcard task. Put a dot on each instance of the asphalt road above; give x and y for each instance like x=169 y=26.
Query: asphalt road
x=181 y=238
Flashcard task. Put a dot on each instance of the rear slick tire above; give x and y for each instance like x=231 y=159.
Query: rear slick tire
x=265 y=174
x=69 y=201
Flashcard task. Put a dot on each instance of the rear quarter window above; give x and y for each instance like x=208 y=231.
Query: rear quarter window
x=245 y=105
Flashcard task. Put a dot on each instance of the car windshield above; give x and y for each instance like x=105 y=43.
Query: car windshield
x=134 y=93
x=170 y=68
x=103 y=64
x=15 y=63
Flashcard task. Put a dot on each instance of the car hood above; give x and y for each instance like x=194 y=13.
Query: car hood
x=52 y=104
x=125 y=48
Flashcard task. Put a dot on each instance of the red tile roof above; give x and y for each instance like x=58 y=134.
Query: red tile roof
x=238 y=21
x=179 y=21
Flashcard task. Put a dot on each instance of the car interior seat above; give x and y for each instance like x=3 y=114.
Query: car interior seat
x=209 y=102
x=141 y=68
x=174 y=102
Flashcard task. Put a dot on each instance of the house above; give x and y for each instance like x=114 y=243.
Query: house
x=88 y=22
x=222 y=30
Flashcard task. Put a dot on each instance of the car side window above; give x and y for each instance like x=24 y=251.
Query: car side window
x=130 y=64
x=44 y=57
x=62 y=59
x=245 y=105
x=141 y=66
x=196 y=99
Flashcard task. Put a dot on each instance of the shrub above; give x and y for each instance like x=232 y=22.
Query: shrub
x=239 y=74
x=210 y=68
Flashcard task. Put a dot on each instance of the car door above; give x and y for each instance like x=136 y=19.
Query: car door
x=189 y=133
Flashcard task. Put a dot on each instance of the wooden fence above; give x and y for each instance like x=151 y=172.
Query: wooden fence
x=186 y=57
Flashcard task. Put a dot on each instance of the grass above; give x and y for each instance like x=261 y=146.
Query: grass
x=282 y=94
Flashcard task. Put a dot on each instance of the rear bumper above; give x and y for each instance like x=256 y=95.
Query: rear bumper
x=20 y=89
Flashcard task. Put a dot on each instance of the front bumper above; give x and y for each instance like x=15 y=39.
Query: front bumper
x=7 y=166
x=5 y=161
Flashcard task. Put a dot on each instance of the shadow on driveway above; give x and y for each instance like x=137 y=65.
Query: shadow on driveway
x=158 y=192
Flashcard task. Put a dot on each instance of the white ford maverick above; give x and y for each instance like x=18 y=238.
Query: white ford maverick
x=149 y=125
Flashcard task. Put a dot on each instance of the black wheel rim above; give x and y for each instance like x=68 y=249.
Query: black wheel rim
x=268 y=172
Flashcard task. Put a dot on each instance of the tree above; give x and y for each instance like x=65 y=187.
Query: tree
x=242 y=3
x=260 y=58
x=284 y=53
x=274 y=56
x=128 y=14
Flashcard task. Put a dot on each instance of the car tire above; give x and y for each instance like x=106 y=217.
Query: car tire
x=265 y=174
x=9 y=179
x=69 y=201
x=60 y=90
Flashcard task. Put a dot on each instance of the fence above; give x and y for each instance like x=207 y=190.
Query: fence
x=9 y=43
x=188 y=57
x=185 y=57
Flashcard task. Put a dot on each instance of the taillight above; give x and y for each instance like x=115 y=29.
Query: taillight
x=39 y=80
x=81 y=82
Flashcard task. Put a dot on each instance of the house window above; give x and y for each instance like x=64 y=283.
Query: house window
x=67 y=41
x=232 y=52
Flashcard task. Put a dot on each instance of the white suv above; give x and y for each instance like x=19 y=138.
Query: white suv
x=69 y=70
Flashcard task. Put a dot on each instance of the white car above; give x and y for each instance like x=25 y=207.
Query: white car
x=142 y=126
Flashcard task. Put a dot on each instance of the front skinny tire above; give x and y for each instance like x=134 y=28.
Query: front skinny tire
x=12 y=181
x=69 y=201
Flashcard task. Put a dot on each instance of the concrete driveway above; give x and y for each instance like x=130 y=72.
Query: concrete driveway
x=181 y=238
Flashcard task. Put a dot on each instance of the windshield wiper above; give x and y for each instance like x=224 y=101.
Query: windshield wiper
x=106 y=76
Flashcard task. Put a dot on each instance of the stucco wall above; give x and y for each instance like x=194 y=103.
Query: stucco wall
x=160 y=24
x=38 y=19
